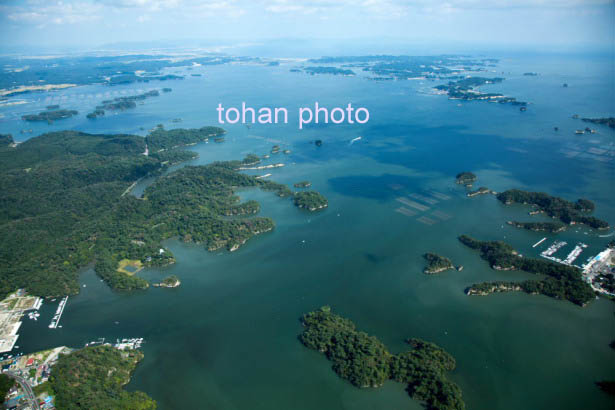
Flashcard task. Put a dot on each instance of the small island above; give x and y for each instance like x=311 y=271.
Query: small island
x=275 y=149
x=480 y=191
x=95 y=114
x=171 y=281
x=436 y=263
x=49 y=115
x=465 y=178
x=365 y=362
x=302 y=184
x=551 y=227
x=310 y=200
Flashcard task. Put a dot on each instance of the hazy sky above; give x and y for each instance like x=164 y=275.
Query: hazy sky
x=92 y=23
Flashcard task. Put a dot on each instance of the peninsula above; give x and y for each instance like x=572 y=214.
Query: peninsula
x=94 y=377
x=70 y=190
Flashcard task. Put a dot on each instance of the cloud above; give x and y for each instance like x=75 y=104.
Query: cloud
x=55 y=12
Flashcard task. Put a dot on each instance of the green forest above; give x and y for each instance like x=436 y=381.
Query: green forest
x=64 y=206
x=93 y=378
x=364 y=361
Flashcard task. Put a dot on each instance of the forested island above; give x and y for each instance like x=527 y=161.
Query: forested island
x=609 y=121
x=302 y=184
x=566 y=211
x=551 y=227
x=464 y=89
x=436 y=263
x=65 y=205
x=310 y=200
x=49 y=115
x=121 y=103
x=465 y=178
x=364 y=361
x=480 y=191
x=562 y=281
x=328 y=70
x=93 y=378
x=170 y=281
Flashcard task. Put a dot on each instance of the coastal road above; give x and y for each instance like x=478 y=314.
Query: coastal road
x=27 y=390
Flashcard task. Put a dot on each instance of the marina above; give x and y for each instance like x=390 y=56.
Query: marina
x=556 y=246
x=552 y=249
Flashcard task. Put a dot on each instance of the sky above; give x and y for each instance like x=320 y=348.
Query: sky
x=94 y=24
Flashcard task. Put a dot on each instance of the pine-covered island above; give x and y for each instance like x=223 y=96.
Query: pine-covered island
x=365 y=362
x=436 y=263
x=465 y=178
x=310 y=200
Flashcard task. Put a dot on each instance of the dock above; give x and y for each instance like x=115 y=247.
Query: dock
x=539 y=242
x=58 y=315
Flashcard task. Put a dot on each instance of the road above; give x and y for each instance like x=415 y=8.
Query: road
x=27 y=390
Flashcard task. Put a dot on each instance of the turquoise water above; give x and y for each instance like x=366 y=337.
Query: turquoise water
x=227 y=338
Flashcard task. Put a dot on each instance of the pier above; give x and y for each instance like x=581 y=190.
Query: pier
x=58 y=315
x=539 y=242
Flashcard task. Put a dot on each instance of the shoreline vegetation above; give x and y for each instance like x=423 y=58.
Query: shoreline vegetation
x=567 y=212
x=559 y=281
x=551 y=227
x=365 y=362
x=67 y=189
